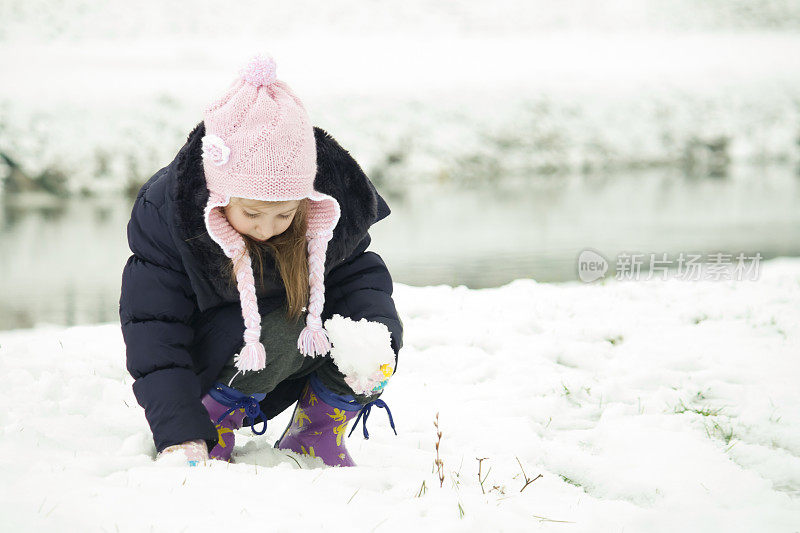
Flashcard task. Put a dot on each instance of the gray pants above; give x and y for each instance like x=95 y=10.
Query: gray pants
x=284 y=361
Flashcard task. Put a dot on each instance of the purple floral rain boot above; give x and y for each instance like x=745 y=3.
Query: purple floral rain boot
x=227 y=408
x=319 y=421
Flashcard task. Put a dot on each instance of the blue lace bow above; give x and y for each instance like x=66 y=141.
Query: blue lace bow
x=233 y=399
x=365 y=412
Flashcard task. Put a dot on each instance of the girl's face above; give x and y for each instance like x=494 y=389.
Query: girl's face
x=260 y=220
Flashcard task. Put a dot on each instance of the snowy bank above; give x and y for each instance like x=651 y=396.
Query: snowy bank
x=648 y=406
x=444 y=109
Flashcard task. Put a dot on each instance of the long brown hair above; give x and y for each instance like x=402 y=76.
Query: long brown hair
x=290 y=253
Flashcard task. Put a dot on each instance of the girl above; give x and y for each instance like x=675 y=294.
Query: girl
x=243 y=246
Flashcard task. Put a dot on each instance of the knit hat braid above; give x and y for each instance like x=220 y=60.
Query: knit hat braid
x=314 y=338
x=260 y=145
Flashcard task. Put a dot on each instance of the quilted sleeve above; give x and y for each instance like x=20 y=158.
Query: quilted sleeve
x=361 y=287
x=156 y=309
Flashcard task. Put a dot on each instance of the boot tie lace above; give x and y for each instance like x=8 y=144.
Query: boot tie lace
x=365 y=411
x=230 y=397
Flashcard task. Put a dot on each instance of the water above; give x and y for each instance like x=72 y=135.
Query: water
x=61 y=261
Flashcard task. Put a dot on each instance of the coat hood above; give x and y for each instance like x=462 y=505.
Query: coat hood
x=338 y=175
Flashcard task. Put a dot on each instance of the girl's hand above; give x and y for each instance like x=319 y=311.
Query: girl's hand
x=193 y=452
x=372 y=383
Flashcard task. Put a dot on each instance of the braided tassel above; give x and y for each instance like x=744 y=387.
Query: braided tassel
x=313 y=340
x=253 y=356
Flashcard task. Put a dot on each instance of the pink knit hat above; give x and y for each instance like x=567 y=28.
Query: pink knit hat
x=259 y=144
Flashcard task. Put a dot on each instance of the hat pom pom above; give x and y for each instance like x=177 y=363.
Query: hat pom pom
x=252 y=357
x=260 y=71
x=313 y=341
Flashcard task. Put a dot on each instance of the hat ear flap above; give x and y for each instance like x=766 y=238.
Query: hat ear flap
x=253 y=356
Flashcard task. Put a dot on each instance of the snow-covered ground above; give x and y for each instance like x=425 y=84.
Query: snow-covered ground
x=644 y=406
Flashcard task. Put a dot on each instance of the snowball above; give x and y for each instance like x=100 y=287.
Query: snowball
x=362 y=351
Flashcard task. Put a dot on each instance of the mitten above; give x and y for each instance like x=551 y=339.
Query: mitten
x=193 y=452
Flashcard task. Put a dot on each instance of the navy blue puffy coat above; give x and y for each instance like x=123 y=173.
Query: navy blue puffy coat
x=180 y=315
